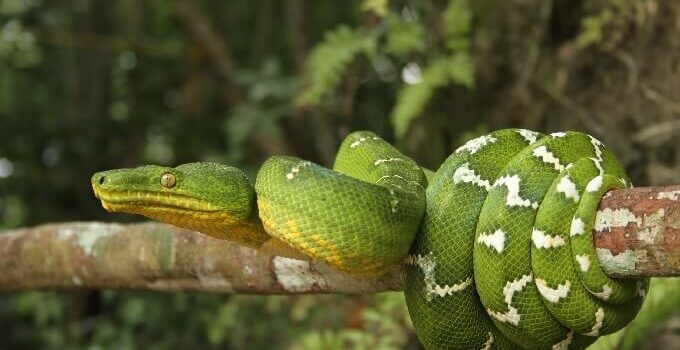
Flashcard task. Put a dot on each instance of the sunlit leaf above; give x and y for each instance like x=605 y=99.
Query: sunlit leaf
x=330 y=59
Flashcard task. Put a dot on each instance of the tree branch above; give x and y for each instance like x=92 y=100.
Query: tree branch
x=160 y=257
x=637 y=233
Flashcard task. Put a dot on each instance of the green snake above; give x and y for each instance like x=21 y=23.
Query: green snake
x=497 y=244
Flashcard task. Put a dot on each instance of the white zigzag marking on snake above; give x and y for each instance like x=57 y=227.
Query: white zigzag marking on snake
x=394 y=159
x=394 y=202
x=543 y=241
x=598 y=154
x=467 y=175
x=576 y=227
x=596 y=145
x=296 y=169
x=553 y=295
x=528 y=135
x=511 y=316
x=427 y=265
x=594 y=184
x=489 y=343
x=583 y=262
x=599 y=320
x=400 y=178
x=513 y=198
x=495 y=240
x=362 y=140
x=475 y=145
x=598 y=165
x=546 y=156
x=564 y=344
x=568 y=187
x=605 y=294
x=625 y=184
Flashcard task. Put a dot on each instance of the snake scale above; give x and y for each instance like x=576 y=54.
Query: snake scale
x=497 y=244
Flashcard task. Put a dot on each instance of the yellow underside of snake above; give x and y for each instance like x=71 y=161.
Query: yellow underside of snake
x=496 y=244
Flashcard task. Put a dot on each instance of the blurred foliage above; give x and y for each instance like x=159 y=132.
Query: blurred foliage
x=447 y=60
x=330 y=59
x=90 y=85
x=164 y=321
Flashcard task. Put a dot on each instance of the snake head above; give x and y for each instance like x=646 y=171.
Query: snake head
x=207 y=197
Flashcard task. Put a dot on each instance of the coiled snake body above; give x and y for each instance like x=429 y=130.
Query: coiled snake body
x=497 y=244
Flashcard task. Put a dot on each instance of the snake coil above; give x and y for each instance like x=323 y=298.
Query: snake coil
x=497 y=243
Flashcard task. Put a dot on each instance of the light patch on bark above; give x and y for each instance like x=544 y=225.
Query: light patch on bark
x=215 y=281
x=670 y=195
x=607 y=219
x=296 y=276
x=88 y=237
x=619 y=264
x=653 y=227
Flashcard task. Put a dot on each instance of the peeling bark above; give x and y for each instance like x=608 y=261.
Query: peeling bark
x=637 y=233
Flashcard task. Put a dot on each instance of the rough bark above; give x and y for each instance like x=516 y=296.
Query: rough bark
x=637 y=233
x=159 y=257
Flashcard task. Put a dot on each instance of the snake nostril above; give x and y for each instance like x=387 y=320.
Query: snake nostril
x=102 y=179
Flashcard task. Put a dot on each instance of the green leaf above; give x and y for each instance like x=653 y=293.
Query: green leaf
x=379 y=7
x=413 y=98
x=461 y=69
x=457 y=20
x=404 y=37
x=330 y=59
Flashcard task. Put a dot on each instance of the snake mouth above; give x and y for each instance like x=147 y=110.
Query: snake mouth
x=152 y=201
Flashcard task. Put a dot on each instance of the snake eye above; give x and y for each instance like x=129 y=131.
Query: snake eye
x=168 y=180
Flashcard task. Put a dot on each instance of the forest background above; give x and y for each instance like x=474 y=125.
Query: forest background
x=88 y=85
